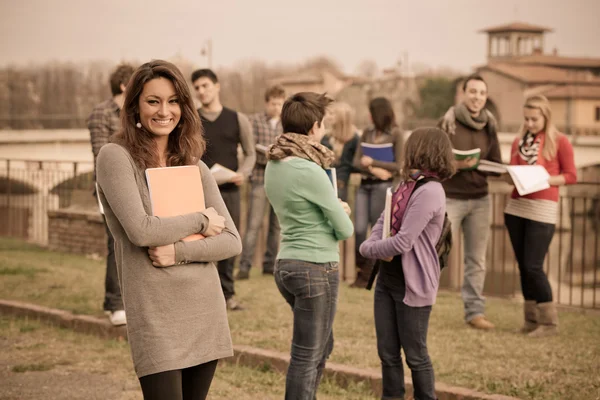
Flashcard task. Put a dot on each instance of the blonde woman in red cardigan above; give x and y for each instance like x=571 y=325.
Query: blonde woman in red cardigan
x=531 y=219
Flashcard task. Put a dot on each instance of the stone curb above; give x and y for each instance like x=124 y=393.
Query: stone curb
x=243 y=355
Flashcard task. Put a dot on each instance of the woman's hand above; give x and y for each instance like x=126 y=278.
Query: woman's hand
x=162 y=256
x=366 y=161
x=216 y=223
x=380 y=173
x=346 y=207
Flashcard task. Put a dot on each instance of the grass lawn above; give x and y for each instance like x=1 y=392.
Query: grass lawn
x=562 y=367
x=41 y=362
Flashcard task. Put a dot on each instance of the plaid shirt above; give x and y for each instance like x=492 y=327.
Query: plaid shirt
x=263 y=134
x=103 y=122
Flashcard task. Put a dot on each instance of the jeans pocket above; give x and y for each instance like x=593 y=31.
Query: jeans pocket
x=305 y=284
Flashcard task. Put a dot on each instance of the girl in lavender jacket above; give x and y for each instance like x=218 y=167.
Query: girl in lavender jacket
x=409 y=274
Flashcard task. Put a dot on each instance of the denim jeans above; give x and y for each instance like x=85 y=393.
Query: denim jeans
x=256 y=212
x=370 y=202
x=112 y=290
x=311 y=290
x=530 y=241
x=400 y=326
x=474 y=218
x=231 y=198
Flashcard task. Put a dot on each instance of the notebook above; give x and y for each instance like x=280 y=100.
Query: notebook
x=176 y=191
x=222 y=174
x=379 y=152
x=333 y=178
x=387 y=216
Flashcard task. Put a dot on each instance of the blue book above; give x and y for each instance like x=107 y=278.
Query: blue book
x=380 y=152
x=333 y=178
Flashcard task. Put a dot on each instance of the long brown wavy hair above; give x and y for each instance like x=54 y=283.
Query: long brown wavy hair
x=428 y=149
x=186 y=142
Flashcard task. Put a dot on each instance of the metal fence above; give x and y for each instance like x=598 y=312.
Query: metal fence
x=29 y=189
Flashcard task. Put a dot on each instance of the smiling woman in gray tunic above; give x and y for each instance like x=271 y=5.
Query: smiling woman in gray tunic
x=177 y=321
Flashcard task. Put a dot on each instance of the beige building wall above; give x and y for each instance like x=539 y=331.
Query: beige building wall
x=508 y=96
x=585 y=113
x=559 y=112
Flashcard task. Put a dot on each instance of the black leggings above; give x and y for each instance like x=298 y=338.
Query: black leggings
x=530 y=241
x=181 y=384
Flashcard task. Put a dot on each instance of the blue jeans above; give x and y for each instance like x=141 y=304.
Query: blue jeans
x=474 y=218
x=256 y=212
x=400 y=326
x=311 y=290
x=370 y=202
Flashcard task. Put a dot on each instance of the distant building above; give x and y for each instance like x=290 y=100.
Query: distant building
x=357 y=91
x=519 y=67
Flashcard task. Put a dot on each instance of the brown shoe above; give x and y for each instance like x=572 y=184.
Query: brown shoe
x=547 y=321
x=233 y=305
x=479 y=322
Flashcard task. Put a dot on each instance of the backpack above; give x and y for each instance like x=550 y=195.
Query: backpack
x=442 y=247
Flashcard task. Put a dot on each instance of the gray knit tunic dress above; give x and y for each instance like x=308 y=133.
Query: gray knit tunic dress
x=176 y=316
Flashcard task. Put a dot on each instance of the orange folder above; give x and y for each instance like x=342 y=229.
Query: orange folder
x=176 y=191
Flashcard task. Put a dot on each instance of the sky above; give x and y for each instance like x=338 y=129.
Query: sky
x=438 y=33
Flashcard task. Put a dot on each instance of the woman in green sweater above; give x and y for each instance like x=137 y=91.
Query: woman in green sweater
x=312 y=221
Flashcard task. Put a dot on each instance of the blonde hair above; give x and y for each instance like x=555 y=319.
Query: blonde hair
x=539 y=102
x=341 y=128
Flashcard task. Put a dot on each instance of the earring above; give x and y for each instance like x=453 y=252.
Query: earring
x=139 y=125
x=180 y=125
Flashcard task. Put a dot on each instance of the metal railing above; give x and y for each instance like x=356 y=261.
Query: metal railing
x=29 y=189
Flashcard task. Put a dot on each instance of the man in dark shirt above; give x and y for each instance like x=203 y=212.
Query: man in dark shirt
x=224 y=130
x=103 y=122
x=266 y=127
x=470 y=126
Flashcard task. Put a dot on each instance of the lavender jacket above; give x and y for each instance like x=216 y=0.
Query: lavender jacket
x=419 y=233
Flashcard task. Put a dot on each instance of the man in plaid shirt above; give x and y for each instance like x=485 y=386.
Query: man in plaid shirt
x=103 y=122
x=266 y=127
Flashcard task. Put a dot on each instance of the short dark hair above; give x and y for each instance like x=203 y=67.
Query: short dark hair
x=204 y=73
x=120 y=76
x=473 y=77
x=382 y=114
x=276 y=91
x=428 y=149
x=302 y=110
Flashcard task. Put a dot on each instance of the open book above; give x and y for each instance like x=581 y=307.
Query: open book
x=379 y=152
x=222 y=174
x=176 y=191
x=387 y=216
x=333 y=178
x=527 y=178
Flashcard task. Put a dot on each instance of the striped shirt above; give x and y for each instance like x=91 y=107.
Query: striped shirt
x=545 y=211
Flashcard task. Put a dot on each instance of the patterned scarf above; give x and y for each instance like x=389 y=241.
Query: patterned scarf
x=402 y=195
x=529 y=147
x=464 y=116
x=302 y=146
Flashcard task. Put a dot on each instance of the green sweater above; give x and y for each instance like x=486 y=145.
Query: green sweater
x=311 y=217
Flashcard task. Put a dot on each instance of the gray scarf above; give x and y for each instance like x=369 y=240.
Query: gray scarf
x=463 y=114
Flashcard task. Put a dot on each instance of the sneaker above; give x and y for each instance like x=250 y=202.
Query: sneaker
x=479 y=322
x=117 y=318
x=233 y=305
x=242 y=275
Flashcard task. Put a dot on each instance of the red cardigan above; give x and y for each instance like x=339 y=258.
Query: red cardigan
x=563 y=163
